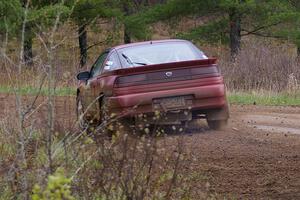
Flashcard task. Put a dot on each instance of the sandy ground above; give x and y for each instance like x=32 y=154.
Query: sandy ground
x=256 y=157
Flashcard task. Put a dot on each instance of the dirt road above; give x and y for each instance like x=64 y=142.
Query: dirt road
x=256 y=157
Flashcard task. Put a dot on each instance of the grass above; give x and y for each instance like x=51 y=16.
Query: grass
x=29 y=90
x=240 y=98
x=264 y=98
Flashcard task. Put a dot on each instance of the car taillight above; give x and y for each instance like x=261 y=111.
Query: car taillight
x=205 y=70
x=168 y=75
x=124 y=81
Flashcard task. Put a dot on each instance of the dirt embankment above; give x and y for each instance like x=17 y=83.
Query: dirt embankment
x=256 y=157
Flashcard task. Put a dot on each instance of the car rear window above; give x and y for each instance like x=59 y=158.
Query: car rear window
x=158 y=53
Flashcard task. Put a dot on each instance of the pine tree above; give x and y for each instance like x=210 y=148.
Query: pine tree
x=233 y=19
x=129 y=8
x=84 y=13
x=10 y=17
x=292 y=31
x=40 y=14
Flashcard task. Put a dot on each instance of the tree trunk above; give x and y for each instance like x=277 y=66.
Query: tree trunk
x=82 y=39
x=235 y=32
x=127 y=38
x=27 y=46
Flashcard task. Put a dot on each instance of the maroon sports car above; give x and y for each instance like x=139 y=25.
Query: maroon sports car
x=165 y=81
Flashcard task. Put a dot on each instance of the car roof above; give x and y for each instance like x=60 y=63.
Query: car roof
x=148 y=42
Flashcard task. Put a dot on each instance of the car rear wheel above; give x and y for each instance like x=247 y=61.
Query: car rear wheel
x=217 y=124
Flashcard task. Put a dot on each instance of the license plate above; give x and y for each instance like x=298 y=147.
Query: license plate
x=174 y=102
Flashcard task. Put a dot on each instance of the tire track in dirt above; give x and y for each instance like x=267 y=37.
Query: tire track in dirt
x=275 y=122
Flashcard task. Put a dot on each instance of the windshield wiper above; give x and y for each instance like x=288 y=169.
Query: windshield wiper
x=140 y=63
x=127 y=59
x=132 y=62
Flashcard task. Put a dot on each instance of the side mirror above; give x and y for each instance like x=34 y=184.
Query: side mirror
x=83 y=76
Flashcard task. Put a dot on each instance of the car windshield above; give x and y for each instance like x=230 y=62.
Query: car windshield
x=158 y=53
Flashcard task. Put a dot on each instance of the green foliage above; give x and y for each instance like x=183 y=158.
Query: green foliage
x=138 y=23
x=10 y=16
x=85 y=11
x=257 y=17
x=58 y=188
x=47 y=14
x=213 y=32
x=29 y=90
x=40 y=13
x=262 y=98
x=291 y=29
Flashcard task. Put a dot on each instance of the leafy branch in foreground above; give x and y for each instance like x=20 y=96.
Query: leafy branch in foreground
x=58 y=188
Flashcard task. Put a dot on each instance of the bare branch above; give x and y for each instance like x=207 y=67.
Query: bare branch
x=259 y=28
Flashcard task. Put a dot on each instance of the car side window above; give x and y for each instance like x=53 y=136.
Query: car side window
x=112 y=62
x=96 y=69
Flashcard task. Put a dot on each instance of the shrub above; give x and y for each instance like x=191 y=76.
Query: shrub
x=58 y=188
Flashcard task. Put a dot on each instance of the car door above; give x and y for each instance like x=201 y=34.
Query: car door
x=89 y=98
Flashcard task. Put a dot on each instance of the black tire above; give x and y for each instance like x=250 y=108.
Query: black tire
x=104 y=119
x=82 y=122
x=217 y=124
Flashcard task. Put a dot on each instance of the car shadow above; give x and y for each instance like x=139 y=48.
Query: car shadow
x=191 y=128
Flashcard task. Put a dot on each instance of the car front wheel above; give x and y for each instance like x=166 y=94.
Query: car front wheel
x=80 y=113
